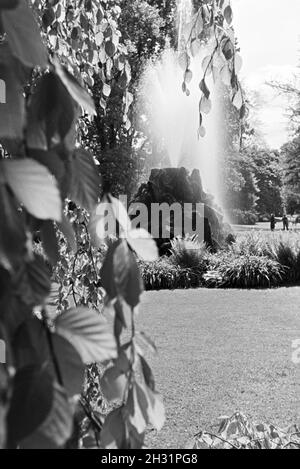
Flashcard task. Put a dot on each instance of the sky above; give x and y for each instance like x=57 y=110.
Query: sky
x=268 y=32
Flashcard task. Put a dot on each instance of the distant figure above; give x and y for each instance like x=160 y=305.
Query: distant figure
x=285 y=222
x=272 y=222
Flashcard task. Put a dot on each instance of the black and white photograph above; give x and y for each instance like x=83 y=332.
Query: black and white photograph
x=149 y=228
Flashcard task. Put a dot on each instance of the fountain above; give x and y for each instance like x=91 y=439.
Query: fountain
x=172 y=119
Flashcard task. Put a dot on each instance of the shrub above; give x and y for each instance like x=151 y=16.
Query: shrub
x=189 y=254
x=246 y=271
x=242 y=217
x=163 y=275
x=286 y=251
x=252 y=244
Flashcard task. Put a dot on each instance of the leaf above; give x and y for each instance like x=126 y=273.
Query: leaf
x=34 y=187
x=31 y=402
x=243 y=111
x=50 y=242
x=148 y=341
x=110 y=48
x=201 y=131
x=3 y=404
x=51 y=160
x=8 y=4
x=51 y=113
x=128 y=279
x=136 y=407
x=71 y=366
x=23 y=35
x=12 y=230
x=12 y=104
x=228 y=50
x=79 y=94
x=228 y=14
x=184 y=60
x=107 y=272
x=155 y=410
x=205 y=105
x=106 y=90
x=48 y=17
x=206 y=64
x=34 y=283
x=143 y=244
x=148 y=375
x=67 y=230
x=31 y=346
x=113 y=433
x=57 y=428
x=238 y=99
x=188 y=76
x=85 y=182
x=89 y=333
x=203 y=87
x=113 y=384
x=114 y=381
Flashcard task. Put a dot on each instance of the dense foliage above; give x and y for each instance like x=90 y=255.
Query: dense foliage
x=253 y=260
x=42 y=166
x=239 y=432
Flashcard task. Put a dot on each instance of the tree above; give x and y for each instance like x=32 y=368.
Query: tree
x=290 y=153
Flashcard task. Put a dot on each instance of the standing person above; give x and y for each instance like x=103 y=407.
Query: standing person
x=285 y=222
x=272 y=222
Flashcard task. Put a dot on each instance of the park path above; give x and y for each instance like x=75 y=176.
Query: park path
x=220 y=352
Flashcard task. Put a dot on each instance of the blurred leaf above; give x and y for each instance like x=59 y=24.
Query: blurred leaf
x=12 y=229
x=107 y=272
x=79 y=94
x=50 y=242
x=228 y=14
x=205 y=105
x=113 y=433
x=31 y=347
x=67 y=230
x=89 y=333
x=12 y=106
x=137 y=408
x=34 y=187
x=113 y=384
x=31 y=402
x=51 y=113
x=23 y=35
x=143 y=244
x=85 y=183
x=4 y=391
x=50 y=159
x=71 y=365
x=34 y=282
x=57 y=428
x=148 y=375
x=8 y=4
x=203 y=87
x=128 y=279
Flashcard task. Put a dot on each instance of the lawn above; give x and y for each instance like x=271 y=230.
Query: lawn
x=220 y=352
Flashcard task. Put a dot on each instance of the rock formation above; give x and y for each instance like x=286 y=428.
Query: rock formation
x=176 y=185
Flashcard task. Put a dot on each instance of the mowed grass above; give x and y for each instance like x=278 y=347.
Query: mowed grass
x=221 y=352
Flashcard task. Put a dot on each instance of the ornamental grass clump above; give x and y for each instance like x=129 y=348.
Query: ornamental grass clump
x=286 y=251
x=246 y=271
x=163 y=275
x=188 y=253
